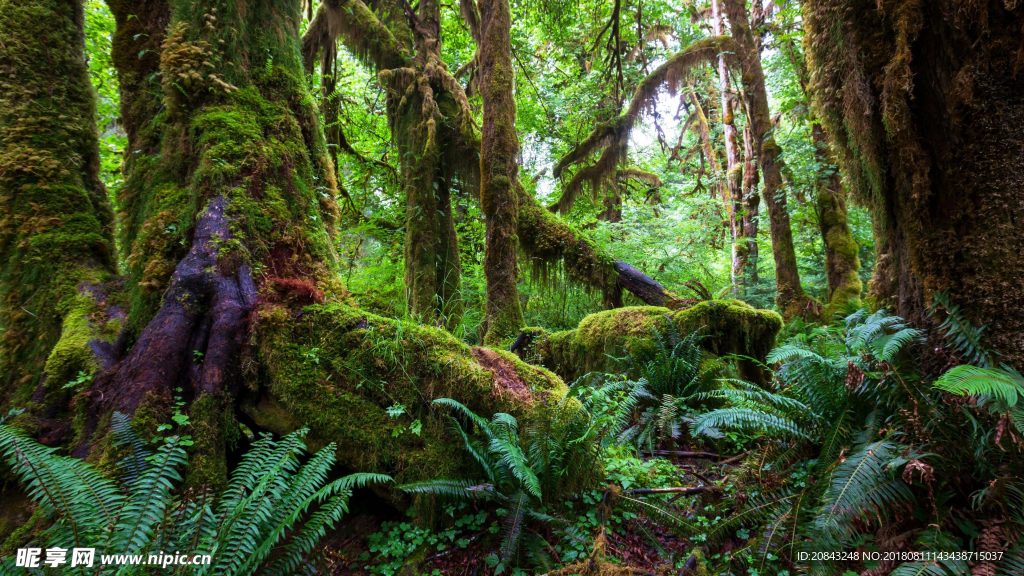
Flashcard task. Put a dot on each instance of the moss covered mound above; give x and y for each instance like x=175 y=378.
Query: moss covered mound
x=366 y=383
x=730 y=327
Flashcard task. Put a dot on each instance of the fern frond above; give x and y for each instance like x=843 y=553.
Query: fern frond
x=363 y=479
x=1012 y=563
x=512 y=527
x=313 y=530
x=745 y=420
x=1005 y=385
x=150 y=497
x=658 y=514
x=462 y=409
x=136 y=463
x=860 y=486
x=460 y=489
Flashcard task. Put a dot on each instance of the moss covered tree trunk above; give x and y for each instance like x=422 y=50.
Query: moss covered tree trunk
x=733 y=169
x=746 y=254
x=231 y=290
x=925 y=101
x=842 y=258
x=790 y=295
x=499 y=171
x=56 y=224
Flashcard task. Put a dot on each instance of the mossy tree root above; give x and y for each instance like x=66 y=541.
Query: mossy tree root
x=367 y=383
x=196 y=334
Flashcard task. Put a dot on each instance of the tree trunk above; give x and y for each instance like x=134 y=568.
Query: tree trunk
x=732 y=163
x=499 y=147
x=745 y=253
x=924 y=101
x=232 y=279
x=790 y=296
x=842 y=259
x=56 y=224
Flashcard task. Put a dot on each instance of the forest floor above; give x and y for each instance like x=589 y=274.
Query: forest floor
x=642 y=544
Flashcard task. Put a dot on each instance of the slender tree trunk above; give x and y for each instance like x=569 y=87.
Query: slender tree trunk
x=790 y=296
x=924 y=102
x=746 y=251
x=56 y=224
x=842 y=258
x=733 y=173
x=499 y=148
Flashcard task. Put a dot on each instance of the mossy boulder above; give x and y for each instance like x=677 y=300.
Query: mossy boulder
x=729 y=327
x=367 y=383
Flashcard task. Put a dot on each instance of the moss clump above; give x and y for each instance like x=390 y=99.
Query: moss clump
x=730 y=326
x=338 y=370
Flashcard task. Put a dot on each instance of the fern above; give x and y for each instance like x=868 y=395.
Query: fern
x=267 y=497
x=860 y=487
x=745 y=420
x=136 y=462
x=959 y=333
x=1005 y=385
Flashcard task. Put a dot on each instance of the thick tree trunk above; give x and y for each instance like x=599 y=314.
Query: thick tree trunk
x=924 y=100
x=56 y=224
x=790 y=296
x=499 y=178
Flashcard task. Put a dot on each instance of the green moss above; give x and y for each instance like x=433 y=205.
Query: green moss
x=55 y=232
x=210 y=423
x=730 y=326
x=338 y=369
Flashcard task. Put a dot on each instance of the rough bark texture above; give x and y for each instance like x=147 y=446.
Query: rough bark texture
x=228 y=200
x=56 y=245
x=790 y=296
x=925 y=101
x=499 y=172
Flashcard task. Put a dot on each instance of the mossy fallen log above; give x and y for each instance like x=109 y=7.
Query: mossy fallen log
x=366 y=383
x=728 y=327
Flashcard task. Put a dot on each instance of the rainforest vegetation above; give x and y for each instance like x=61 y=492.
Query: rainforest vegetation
x=473 y=287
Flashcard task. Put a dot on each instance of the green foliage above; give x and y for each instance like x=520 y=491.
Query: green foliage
x=274 y=502
x=553 y=455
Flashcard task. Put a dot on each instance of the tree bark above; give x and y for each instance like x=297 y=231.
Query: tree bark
x=499 y=146
x=733 y=174
x=790 y=296
x=56 y=224
x=924 y=102
x=842 y=258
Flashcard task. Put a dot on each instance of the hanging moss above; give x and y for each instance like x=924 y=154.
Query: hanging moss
x=729 y=327
x=337 y=370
